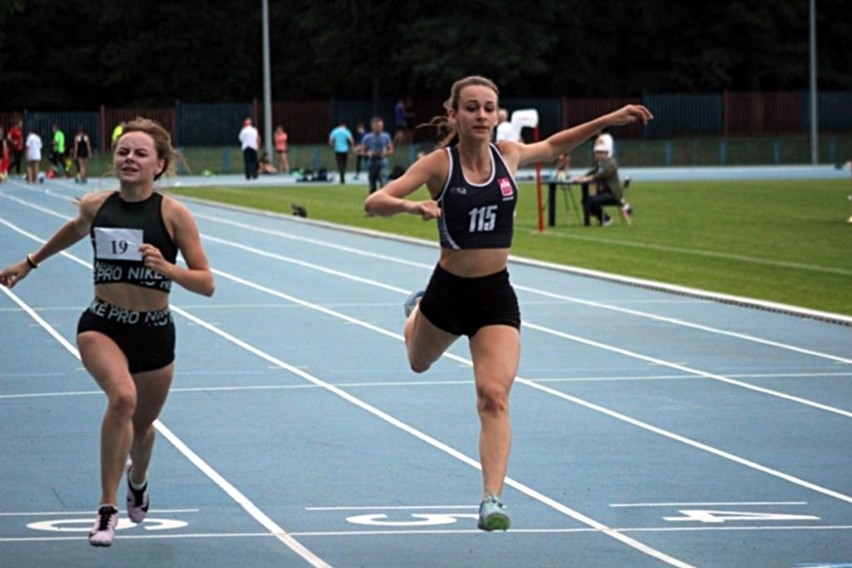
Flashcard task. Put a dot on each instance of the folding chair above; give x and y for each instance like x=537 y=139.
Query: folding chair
x=625 y=211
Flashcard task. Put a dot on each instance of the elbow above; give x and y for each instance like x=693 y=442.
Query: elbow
x=370 y=204
x=208 y=287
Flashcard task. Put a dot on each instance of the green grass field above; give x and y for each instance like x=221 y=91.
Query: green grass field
x=779 y=241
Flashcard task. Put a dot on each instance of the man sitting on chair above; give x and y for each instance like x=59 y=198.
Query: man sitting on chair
x=604 y=175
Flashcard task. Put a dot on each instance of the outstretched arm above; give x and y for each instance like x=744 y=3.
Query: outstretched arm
x=70 y=233
x=519 y=154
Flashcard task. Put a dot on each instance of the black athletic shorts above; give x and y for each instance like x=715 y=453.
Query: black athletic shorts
x=147 y=339
x=462 y=306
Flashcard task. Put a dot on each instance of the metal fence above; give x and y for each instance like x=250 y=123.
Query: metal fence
x=717 y=120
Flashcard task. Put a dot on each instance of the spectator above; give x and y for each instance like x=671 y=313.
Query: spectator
x=401 y=135
x=563 y=167
x=604 y=174
x=280 y=140
x=377 y=146
x=341 y=140
x=264 y=166
x=34 y=147
x=81 y=153
x=4 y=155
x=57 y=151
x=607 y=140
x=504 y=129
x=360 y=153
x=16 y=145
x=117 y=131
x=250 y=142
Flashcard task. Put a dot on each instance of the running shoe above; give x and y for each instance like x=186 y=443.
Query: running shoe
x=137 y=501
x=104 y=530
x=493 y=515
x=412 y=301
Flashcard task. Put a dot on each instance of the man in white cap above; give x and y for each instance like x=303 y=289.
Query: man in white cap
x=604 y=176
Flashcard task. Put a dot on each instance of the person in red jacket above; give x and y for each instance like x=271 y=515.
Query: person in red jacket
x=16 y=145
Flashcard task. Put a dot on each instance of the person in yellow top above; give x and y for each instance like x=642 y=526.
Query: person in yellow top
x=117 y=131
x=57 y=152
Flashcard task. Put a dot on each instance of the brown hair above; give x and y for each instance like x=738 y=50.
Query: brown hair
x=442 y=123
x=162 y=141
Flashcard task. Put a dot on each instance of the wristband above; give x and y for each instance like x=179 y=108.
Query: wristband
x=31 y=262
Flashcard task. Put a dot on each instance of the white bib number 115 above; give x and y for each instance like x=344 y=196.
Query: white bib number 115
x=483 y=219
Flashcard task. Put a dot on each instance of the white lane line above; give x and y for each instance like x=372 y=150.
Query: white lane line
x=529 y=491
x=223 y=484
x=676 y=366
x=557 y=505
x=527 y=289
x=68 y=513
x=444 y=532
x=427 y=266
x=690 y=370
x=575 y=400
x=288 y=539
x=711 y=504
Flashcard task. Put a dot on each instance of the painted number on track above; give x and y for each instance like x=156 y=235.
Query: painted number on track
x=707 y=516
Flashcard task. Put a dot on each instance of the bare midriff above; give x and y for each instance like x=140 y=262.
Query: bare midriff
x=132 y=297
x=472 y=263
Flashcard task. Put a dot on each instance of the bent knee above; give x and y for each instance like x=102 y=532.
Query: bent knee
x=122 y=404
x=492 y=400
x=419 y=366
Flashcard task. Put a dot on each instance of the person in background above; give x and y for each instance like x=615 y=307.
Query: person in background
x=608 y=142
x=16 y=145
x=604 y=174
x=34 y=147
x=360 y=153
x=57 y=151
x=472 y=195
x=377 y=146
x=504 y=129
x=249 y=144
x=281 y=148
x=265 y=166
x=117 y=131
x=126 y=338
x=402 y=117
x=4 y=155
x=342 y=141
x=81 y=152
x=563 y=167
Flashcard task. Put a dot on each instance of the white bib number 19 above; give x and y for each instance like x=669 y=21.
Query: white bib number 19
x=483 y=219
x=118 y=244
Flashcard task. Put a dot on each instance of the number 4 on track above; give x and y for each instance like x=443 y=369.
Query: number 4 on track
x=706 y=516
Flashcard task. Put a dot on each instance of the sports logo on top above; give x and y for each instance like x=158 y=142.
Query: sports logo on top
x=506 y=188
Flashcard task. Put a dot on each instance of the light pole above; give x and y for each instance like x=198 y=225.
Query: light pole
x=267 y=84
x=814 y=95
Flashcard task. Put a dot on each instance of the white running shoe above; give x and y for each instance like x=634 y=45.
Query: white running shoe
x=493 y=515
x=103 y=531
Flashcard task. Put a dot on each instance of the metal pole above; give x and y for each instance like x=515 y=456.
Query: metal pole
x=267 y=85
x=814 y=126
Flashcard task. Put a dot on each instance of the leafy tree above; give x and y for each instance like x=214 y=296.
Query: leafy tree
x=80 y=54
